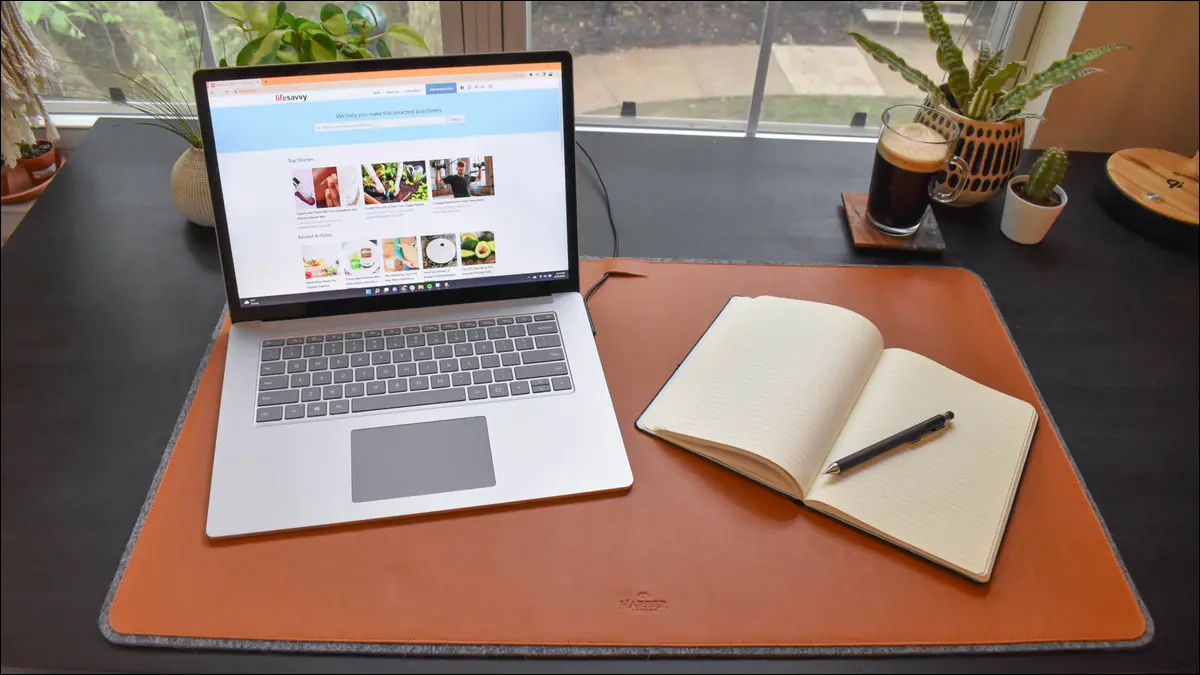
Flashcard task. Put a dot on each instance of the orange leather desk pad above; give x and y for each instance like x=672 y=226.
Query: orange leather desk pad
x=693 y=555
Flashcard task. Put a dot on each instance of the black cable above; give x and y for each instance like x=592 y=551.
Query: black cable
x=607 y=202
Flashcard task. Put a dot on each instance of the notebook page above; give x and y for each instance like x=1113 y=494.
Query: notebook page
x=947 y=497
x=777 y=379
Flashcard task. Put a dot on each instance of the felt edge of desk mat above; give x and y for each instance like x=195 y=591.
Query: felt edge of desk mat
x=559 y=651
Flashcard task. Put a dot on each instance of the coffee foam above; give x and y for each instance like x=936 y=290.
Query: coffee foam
x=914 y=147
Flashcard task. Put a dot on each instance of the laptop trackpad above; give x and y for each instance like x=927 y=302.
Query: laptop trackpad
x=426 y=458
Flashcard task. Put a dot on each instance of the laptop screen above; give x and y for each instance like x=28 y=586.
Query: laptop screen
x=392 y=182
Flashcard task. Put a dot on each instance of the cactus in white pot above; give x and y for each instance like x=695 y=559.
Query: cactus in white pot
x=1034 y=201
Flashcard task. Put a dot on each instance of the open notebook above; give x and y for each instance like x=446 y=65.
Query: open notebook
x=777 y=389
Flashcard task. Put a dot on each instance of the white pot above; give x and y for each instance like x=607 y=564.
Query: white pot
x=1025 y=222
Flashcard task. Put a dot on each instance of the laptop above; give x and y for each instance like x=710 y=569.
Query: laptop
x=398 y=242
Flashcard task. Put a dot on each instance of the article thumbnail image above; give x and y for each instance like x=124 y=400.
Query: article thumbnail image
x=348 y=186
x=361 y=258
x=320 y=260
x=328 y=194
x=304 y=196
x=400 y=254
x=459 y=177
x=478 y=248
x=439 y=250
x=392 y=182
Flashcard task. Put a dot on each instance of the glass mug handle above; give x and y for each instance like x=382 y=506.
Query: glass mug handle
x=949 y=194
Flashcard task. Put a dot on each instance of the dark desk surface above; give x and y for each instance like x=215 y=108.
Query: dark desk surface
x=109 y=298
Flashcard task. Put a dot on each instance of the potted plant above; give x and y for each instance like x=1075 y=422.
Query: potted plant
x=28 y=68
x=1034 y=201
x=992 y=117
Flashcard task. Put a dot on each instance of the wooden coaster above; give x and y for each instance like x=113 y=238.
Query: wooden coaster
x=927 y=238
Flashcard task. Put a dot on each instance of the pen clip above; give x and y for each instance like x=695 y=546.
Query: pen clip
x=930 y=431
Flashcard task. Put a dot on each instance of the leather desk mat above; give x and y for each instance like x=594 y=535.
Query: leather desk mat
x=694 y=559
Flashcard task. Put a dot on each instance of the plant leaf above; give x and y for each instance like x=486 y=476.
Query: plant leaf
x=323 y=47
x=996 y=81
x=243 y=56
x=232 y=9
x=405 y=33
x=893 y=61
x=382 y=49
x=266 y=50
x=336 y=24
x=329 y=10
x=353 y=17
x=949 y=56
x=1058 y=73
x=282 y=13
x=260 y=19
x=1021 y=115
x=32 y=11
x=287 y=54
x=223 y=63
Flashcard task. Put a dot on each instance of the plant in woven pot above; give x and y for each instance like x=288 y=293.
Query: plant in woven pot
x=991 y=112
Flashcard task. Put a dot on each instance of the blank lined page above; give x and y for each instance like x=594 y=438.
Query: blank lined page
x=774 y=377
x=947 y=497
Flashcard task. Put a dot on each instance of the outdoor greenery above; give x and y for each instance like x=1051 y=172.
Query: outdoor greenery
x=810 y=109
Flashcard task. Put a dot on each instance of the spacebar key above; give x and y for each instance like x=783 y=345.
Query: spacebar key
x=409 y=400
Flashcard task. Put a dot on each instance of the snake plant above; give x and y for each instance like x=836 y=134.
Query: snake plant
x=978 y=92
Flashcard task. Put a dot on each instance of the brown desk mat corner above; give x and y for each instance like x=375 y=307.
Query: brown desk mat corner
x=693 y=560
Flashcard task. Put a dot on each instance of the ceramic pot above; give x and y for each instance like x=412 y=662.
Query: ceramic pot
x=189 y=188
x=991 y=151
x=1025 y=222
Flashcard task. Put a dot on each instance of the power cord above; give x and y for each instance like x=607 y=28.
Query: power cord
x=612 y=225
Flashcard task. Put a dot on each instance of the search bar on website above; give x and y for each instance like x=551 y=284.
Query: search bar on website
x=359 y=125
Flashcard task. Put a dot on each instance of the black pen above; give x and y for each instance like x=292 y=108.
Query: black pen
x=909 y=435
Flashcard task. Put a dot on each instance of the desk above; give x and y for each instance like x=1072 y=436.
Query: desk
x=109 y=298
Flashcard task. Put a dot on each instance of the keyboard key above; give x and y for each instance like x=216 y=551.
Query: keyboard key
x=443 y=352
x=293 y=412
x=481 y=376
x=355 y=389
x=503 y=374
x=476 y=393
x=464 y=349
x=467 y=324
x=333 y=348
x=271 y=354
x=519 y=387
x=543 y=328
x=544 y=341
x=314 y=338
x=427 y=367
x=310 y=394
x=339 y=407
x=344 y=375
x=495 y=332
x=450 y=325
x=396 y=386
x=272 y=368
x=318 y=363
x=561 y=383
x=524 y=343
x=541 y=370
x=272 y=382
x=301 y=380
x=374 y=344
x=333 y=336
x=402 y=356
x=279 y=397
x=385 y=372
x=476 y=334
x=422 y=353
x=297 y=366
x=439 y=381
x=498 y=390
x=372 y=333
x=293 y=352
x=510 y=359
x=354 y=346
x=322 y=377
x=295 y=341
x=358 y=360
x=540 y=386
x=342 y=361
x=406 y=369
x=269 y=414
x=484 y=348
x=515 y=331
x=435 y=339
x=524 y=319
x=410 y=399
x=448 y=366
x=380 y=358
x=391 y=331
x=543 y=317
x=415 y=341
x=409 y=330
x=396 y=342
x=313 y=350
x=418 y=383
x=364 y=374
x=456 y=336
x=506 y=321
x=356 y=335
x=469 y=363
x=543 y=356
x=273 y=342
x=483 y=323
x=318 y=409
x=332 y=391
x=376 y=388
x=460 y=379
x=504 y=345
x=489 y=361
x=429 y=328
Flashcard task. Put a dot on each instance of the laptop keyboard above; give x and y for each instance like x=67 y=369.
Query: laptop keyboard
x=411 y=365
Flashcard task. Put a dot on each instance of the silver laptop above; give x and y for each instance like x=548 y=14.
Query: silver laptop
x=398 y=241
